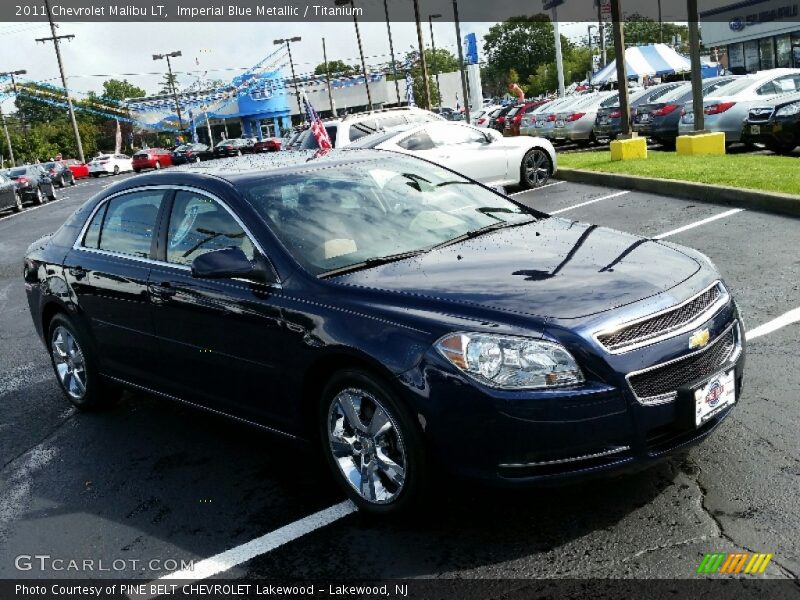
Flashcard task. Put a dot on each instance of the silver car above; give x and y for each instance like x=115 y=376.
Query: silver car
x=726 y=108
x=546 y=119
x=574 y=123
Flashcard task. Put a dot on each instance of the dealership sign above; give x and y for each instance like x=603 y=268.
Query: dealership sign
x=738 y=23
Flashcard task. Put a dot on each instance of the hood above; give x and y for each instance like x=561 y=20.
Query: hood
x=552 y=268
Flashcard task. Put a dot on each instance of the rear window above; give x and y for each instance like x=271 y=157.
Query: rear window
x=17 y=172
x=310 y=142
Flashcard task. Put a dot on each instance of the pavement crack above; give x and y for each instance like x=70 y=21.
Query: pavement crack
x=692 y=540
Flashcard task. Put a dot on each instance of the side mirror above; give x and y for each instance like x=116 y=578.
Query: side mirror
x=220 y=264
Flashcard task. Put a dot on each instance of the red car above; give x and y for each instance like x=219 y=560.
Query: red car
x=79 y=169
x=514 y=118
x=151 y=158
x=267 y=145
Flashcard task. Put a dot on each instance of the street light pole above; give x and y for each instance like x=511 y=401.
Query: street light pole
x=424 y=63
x=391 y=51
x=328 y=78
x=559 y=60
x=174 y=54
x=591 y=55
x=289 y=42
x=433 y=51
x=360 y=47
x=56 y=39
x=622 y=76
x=461 y=61
x=697 y=74
x=8 y=138
x=20 y=110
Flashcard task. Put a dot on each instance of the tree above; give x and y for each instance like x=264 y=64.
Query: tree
x=117 y=90
x=641 y=30
x=445 y=63
x=168 y=83
x=336 y=67
x=576 y=61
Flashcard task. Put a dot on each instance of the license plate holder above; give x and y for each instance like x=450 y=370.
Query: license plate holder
x=560 y=123
x=755 y=129
x=702 y=401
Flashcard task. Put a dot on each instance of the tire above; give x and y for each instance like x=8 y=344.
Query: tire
x=393 y=459
x=116 y=169
x=137 y=170
x=535 y=169
x=61 y=182
x=196 y=159
x=38 y=199
x=238 y=153
x=95 y=175
x=74 y=362
x=52 y=195
x=72 y=180
x=158 y=166
x=17 y=203
x=781 y=147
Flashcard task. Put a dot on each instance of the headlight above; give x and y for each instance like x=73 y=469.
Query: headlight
x=510 y=362
x=788 y=110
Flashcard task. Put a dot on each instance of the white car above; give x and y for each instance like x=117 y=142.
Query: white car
x=481 y=154
x=110 y=164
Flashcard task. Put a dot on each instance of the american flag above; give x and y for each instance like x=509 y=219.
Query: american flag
x=316 y=126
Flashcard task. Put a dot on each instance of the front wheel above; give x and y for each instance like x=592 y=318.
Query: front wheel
x=61 y=182
x=52 y=195
x=536 y=168
x=39 y=197
x=781 y=147
x=371 y=444
x=75 y=365
x=72 y=180
x=158 y=165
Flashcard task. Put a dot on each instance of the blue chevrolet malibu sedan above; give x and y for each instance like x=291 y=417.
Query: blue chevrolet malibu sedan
x=401 y=316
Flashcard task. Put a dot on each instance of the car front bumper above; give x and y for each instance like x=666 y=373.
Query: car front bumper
x=560 y=434
x=774 y=132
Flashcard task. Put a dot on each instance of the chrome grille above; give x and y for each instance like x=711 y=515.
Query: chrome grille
x=760 y=114
x=663 y=323
x=661 y=383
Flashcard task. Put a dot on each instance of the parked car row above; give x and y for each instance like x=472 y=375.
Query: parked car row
x=28 y=183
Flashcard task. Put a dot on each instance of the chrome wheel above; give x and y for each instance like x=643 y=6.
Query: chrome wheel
x=536 y=167
x=367 y=445
x=69 y=362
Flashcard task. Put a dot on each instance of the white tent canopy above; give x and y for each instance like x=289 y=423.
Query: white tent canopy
x=652 y=60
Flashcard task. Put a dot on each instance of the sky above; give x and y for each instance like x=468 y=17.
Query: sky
x=124 y=50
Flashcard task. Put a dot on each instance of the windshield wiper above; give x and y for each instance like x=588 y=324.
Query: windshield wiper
x=477 y=232
x=375 y=261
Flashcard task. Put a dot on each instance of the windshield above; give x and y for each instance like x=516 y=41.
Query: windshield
x=51 y=165
x=17 y=172
x=330 y=219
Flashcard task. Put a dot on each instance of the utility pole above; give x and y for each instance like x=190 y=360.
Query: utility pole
x=289 y=42
x=172 y=82
x=391 y=51
x=622 y=75
x=56 y=42
x=360 y=47
x=602 y=29
x=8 y=138
x=22 y=122
x=426 y=86
x=461 y=62
x=328 y=78
x=559 y=60
x=433 y=51
x=697 y=75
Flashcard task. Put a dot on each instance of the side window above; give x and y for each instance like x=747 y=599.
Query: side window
x=448 y=136
x=92 y=237
x=362 y=128
x=198 y=225
x=387 y=121
x=419 y=140
x=130 y=223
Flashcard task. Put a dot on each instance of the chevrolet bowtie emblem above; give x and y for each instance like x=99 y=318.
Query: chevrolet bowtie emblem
x=699 y=338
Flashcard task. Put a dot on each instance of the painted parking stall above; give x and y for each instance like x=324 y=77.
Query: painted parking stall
x=131 y=484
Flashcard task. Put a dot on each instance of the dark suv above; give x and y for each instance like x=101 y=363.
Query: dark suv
x=775 y=124
x=33 y=183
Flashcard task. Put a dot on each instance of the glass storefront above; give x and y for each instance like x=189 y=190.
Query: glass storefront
x=765 y=53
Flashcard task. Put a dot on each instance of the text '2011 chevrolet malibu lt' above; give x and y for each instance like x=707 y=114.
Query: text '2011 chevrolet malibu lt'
x=401 y=316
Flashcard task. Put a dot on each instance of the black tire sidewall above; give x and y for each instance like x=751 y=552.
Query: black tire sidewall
x=96 y=395
x=524 y=178
x=416 y=472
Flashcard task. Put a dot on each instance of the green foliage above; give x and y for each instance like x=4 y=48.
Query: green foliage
x=117 y=90
x=641 y=30
x=576 y=61
x=445 y=63
x=168 y=82
x=336 y=67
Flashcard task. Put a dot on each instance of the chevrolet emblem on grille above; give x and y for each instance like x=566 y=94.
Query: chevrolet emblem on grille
x=699 y=338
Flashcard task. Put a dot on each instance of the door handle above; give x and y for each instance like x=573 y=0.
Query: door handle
x=77 y=272
x=163 y=290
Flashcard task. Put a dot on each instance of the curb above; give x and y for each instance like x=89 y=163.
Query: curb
x=774 y=202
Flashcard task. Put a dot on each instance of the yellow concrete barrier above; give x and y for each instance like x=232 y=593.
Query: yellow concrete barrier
x=707 y=144
x=633 y=148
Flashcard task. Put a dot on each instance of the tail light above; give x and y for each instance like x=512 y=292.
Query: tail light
x=615 y=114
x=715 y=109
x=574 y=117
x=665 y=110
x=482 y=120
x=551 y=118
x=23 y=180
x=500 y=120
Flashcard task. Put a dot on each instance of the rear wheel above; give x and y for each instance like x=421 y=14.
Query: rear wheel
x=17 y=203
x=371 y=444
x=38 y=197
x=536 y=168
x=52 y=195
x=61 y=182
x=158 y=165
x=75 y=365
x=72 y=179
x=116 y=169
x=781 y=147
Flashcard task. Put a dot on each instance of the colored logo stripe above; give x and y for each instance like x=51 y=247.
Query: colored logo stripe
x=724 y=563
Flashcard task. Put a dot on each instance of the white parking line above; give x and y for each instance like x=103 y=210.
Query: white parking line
x=561 y=210
x=698 y=223
x=793 y=316
x=236 y=556
x=25 y=211
x=536 y=189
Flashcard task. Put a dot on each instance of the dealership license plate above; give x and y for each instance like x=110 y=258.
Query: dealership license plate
x=755 y=129
x=713 y=397
x=603 y=121
x=560 y=123
x=644 y=118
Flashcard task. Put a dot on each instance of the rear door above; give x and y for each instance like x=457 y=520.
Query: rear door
x=107 y=271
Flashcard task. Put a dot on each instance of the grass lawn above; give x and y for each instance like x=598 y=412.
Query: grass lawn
x=760 y=172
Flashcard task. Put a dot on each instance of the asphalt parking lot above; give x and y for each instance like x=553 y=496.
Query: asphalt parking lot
x=149 y=480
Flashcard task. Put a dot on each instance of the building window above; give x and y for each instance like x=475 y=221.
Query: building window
x=783 y=43
x=751 y=58
x=767 y=51
x=735 y=57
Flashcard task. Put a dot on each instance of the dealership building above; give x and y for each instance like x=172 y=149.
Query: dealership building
x=754 y=35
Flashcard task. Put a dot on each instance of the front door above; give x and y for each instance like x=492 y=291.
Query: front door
x=222 y=338
x=467 y=150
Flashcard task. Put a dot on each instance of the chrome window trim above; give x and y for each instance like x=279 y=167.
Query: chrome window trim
x=670 y=396
x=561 y=461
x=701 y=318
x=78 y=245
